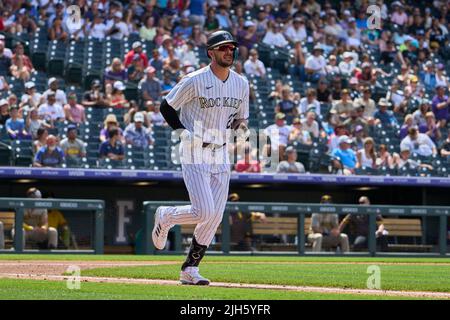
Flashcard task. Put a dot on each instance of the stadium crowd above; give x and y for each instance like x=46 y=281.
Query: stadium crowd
x=372 y=97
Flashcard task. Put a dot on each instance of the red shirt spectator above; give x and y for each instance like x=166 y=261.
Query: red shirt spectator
x=137 y=49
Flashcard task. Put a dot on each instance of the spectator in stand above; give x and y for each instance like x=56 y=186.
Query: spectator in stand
x=419 y=143
x=223 y=17
x=445 y=147
x=248 y=164
x=323 y=93
x=5 y=61
x=287 y=104
x=211 y=22
x=298 y=134
x=409 y=123
x=402 y=160
x=31 y=97
x=154 y=114
x=198 y=37
x=348 y=63
x=98 y=29
x=51 y=111
x=325 y=232
x=15 y=126
x=344 y=157
x=156 y=61
x=315 y=64
x=112 y=148
x=41 y=139
x=21 y=66
x=95 y=97
x=136 y=70
x=150 y=86
x=246 y=38
x=274 y=36
x=137 y=134
x=355 y=120
x=297 y=62
x=109 y=124
x=358 y=225
x=53 y=87
x=296 y=31
x=254 y=66
x=56 y=32
x=148 y=30
x=311 y=125
x=367 y=156
x=167 y=84
x=440 y=106
x=74 y=111
x=332 y=67
x=49 y=155
x=384 y=116
x=197 y=12
x=117 y=99
x=290 y=165
x=384 y=158
x=344 y=106
x=367 y=105
x=428 y=76
x=137 y=49
x=441 y=78
x=431 y=128
x=309 y=102
x=33 y=123
x=4 y=111
x=184 y=29
x=116 y=28
x=115 y=72
x=3 y=50
x=74 y=149
x=4 y=86
x=279 y=134
x=419 y=115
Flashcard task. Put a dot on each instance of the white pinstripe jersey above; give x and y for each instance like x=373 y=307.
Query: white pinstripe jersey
x=204 y=98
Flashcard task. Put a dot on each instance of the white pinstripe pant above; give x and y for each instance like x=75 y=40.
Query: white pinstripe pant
x=208 y=192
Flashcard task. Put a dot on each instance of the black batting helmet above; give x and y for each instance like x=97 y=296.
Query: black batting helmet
x=218 y=38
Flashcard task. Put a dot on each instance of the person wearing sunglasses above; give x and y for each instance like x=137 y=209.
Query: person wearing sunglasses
x=212 y=101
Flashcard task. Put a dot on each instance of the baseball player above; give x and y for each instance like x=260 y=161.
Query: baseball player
x=211 y=101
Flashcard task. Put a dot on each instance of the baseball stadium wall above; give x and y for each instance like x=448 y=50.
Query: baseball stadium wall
x=125 y=191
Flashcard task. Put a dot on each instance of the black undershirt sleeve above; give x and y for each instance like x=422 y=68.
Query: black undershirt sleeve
x=171 y=116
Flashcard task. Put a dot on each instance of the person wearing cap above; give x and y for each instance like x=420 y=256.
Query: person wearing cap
x=135 y=70
x=247 y=37
x=309 y=103
x=419 y=143
x=74 y=111
x=112 y=148
x=51 y=110
x=116 y=27
x=117 y=98
x=402 y=159
x=344 y=158
x=31 y=97
x=315 y=64
x=355 y=120
x=286 y=104
x=15 y=126
x=383 y=115
x=95 y=97
x=274 y=35
x=50 y=155
x=279 y=130
x=74 y=148
x=440 y=106
x=324 y=232
x=4 y=111
x=136 y=134
x=366 y=104
x=241 y=229
x=298 y=134
x=35 y=225
x=296 y=31
x=150 y=86
x=53 y=87
x=136 y=50
x=332 y=68
x=348 y=63
x=290 y=165
x=115 y=72
x=254 y=66
x=323 y=92
x=344 y=106
x=110 y=123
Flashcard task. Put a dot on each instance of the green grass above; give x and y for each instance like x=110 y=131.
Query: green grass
x=210 y=258
x=393 y=277
x=12 y=289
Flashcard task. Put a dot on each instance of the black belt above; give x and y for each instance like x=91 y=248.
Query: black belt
x=212 y=145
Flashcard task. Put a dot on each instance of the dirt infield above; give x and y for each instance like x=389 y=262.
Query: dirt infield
x=53 y=270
